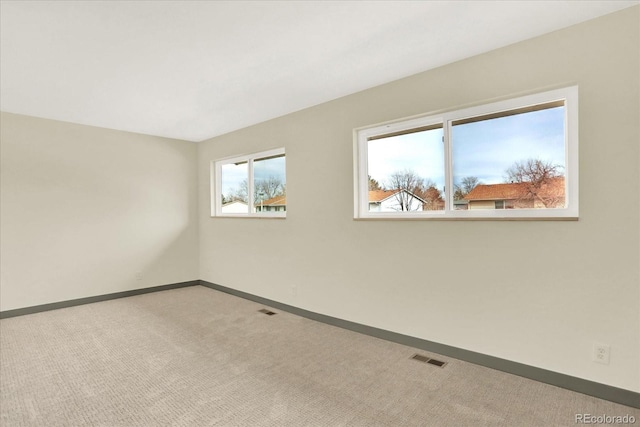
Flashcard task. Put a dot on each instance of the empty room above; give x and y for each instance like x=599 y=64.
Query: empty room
x=319 y=213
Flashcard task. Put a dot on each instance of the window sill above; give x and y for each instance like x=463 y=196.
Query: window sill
x=449 y=218
x=250 y=216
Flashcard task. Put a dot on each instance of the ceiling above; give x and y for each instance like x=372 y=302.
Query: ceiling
x=196 y=69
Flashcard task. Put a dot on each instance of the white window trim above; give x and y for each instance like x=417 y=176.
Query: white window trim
x=216 y=185
x=361 y=135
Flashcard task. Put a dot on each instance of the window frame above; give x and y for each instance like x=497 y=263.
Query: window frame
x=216 y=184
x=571 y=210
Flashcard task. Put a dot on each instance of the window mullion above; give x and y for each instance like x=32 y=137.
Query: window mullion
x=448 y=166
x=216 y=192
x=364 y=177
x=250 y=189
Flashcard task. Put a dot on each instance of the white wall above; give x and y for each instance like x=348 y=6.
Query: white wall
x=535 y=292
x=88 y=211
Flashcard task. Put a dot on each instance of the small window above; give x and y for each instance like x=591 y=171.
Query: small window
x=510 y=159
x=250 y=186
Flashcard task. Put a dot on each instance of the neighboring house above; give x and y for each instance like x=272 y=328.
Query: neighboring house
x=237 y=206
x=461 y=205
x=390 y=201
x=517 y=195
x=274 y=204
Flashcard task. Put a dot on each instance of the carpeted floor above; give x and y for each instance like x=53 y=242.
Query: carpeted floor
x=198 y=357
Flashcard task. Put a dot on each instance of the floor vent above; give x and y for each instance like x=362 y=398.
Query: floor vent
x=425 y=359
x=439 y=363
x=267 y=312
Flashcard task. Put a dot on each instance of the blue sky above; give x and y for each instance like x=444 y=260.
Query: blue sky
x=421 y=152
x=484 y=149
x=488 y=148
x=233 y=175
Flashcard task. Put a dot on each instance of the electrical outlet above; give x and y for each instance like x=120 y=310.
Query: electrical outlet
x=138 y=276
x=601 y=353
x=294 y=290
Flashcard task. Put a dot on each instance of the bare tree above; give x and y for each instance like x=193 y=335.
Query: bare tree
x=413 y=190
x=539 y=179
x=241 y=193
x=405 y=181
x=269 y=187
x=465 y=186
x=264 y=189
x=532 y=170
x=468 y=183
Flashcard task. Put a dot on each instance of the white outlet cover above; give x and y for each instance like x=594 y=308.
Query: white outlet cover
x=601 y=353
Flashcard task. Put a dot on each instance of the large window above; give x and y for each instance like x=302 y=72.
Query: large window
x=511 y=159
x=250 y=186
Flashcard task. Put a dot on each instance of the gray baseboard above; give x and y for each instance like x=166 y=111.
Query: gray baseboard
x=602 y=391
x=591 y=388
x=88 y=300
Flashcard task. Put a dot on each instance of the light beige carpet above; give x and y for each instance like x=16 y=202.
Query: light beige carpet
x=198 y=357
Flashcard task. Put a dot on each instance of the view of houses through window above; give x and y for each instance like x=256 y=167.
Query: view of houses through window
x=252 y=184
x=406 y=171
x=512 y=159
x=270 y=186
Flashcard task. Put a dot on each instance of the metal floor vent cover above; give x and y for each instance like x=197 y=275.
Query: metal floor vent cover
x=267 y=312
x=425 y=359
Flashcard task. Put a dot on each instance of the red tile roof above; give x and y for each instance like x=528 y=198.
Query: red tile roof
x=374 y=196
x=512 y=191
x=274 y=201
x=496 y=192
x=379 y=195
